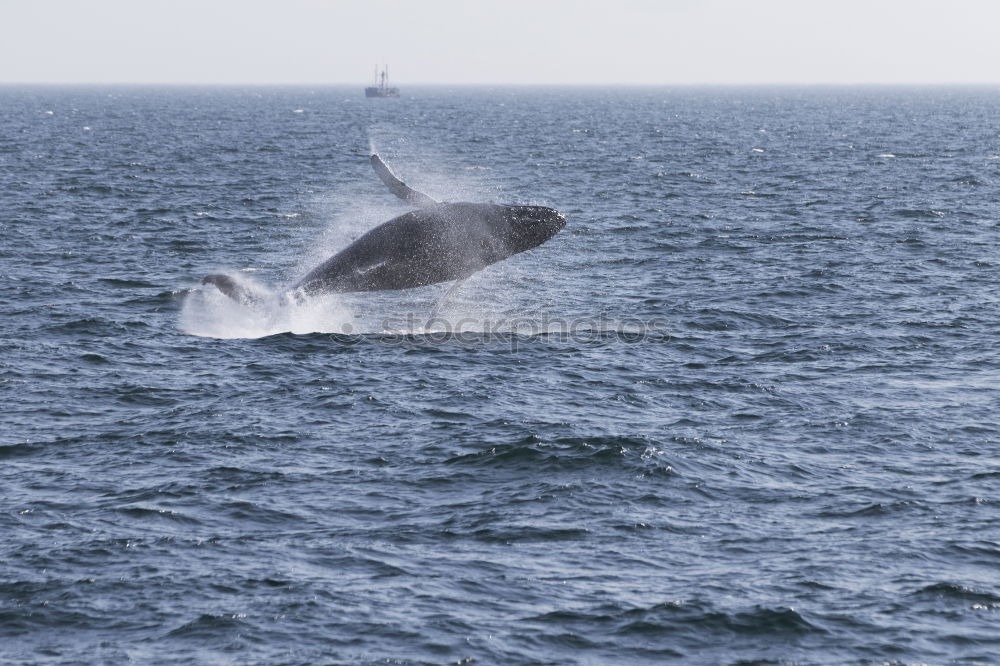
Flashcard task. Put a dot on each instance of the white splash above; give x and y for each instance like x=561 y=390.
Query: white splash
x=207 y=312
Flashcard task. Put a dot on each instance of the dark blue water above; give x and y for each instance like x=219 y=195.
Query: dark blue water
x=742 y=409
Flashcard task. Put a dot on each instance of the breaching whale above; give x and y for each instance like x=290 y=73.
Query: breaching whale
x=437 y=242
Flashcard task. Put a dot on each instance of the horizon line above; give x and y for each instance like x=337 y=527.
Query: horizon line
x=509 y=84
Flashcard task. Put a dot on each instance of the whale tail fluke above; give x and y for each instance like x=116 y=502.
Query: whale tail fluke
x=398 y=187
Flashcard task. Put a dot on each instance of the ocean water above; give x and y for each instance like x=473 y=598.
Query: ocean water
x=743 y=409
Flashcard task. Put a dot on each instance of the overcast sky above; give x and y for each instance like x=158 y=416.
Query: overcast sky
x=508 y=41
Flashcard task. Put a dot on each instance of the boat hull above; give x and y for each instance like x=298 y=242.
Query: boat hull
x=381 y=92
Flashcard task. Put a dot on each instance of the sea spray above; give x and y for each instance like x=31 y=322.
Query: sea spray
x=207 y=312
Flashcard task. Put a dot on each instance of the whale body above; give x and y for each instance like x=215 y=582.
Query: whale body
x=438 y=242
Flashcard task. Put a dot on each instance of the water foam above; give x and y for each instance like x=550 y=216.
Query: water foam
x=207 y=312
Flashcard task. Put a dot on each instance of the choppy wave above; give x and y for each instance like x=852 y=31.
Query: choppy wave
x=741 y=410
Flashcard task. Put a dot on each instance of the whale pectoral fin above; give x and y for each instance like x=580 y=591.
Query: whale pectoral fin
x=398 y=187
x=231 y=288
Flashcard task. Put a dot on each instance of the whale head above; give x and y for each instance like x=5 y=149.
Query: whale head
x=525 y=227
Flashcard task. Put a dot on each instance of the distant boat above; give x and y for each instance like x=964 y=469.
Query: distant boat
x=381 y=87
